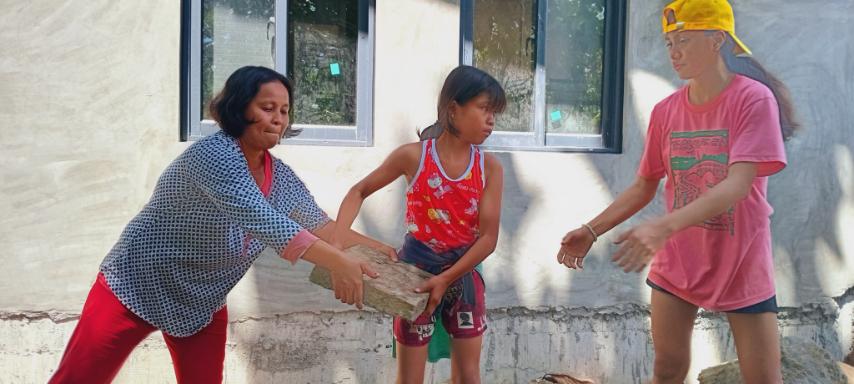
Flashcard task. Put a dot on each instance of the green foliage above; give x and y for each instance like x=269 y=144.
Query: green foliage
x=320 y=32
x=505 y=45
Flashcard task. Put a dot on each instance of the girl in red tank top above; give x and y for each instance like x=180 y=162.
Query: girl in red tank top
x=452 y=217
x=442 y=212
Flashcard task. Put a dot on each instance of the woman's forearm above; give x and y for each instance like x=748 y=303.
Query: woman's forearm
x=323 y=255
x=715 y=201
x=632 y=200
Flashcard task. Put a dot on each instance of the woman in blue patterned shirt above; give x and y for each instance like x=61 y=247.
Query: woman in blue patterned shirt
x=213 y=211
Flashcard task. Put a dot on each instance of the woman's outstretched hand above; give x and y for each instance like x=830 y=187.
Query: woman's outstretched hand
x=347 y=280
x=639 y=244
x=574 y=247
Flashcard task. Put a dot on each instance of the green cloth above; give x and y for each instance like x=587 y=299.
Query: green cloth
x=440 y=344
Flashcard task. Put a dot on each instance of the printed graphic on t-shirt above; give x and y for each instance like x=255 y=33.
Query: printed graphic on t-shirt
x=699 y=160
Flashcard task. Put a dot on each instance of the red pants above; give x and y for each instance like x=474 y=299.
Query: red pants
x=107 y=333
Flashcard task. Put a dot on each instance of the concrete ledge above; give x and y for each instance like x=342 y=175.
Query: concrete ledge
x=608 y=344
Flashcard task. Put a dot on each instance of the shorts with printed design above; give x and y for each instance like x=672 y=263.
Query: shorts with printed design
x=460 y=319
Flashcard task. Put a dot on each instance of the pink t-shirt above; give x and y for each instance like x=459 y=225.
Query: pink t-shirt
x=724 y=263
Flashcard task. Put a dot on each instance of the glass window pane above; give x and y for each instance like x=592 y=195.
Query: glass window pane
x=322 y=41
x=575 y=39
x=235 y=33
x=505 y=46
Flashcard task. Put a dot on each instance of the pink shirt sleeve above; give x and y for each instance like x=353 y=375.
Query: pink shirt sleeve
x=298 y=245
x=757 y=137
x=652 y=164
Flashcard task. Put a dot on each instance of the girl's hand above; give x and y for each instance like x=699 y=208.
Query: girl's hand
x=574 y=247
x=436 y=286
x=347 y=280
x=388 y=250
x=639 y=245
x=357 y=238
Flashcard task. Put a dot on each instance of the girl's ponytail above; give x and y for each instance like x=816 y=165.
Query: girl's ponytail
x=748 y=66
x=431 y=132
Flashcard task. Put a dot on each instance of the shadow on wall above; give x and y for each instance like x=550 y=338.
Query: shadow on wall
x=516 y=200
x=809 y=192
x=600 y=277
x=808 y=195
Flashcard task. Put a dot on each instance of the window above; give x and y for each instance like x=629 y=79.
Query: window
x=326 y=50
x=561 y=65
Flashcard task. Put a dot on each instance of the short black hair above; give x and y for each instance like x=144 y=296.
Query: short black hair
x=228 y=108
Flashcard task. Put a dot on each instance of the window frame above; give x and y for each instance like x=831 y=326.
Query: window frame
x=192 y=127
x=613 y=76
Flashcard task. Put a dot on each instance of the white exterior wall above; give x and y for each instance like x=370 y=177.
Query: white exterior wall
x=89 y=118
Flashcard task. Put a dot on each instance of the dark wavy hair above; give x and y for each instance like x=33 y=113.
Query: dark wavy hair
x=746 y=65
x=463 y=84
x=228 y=108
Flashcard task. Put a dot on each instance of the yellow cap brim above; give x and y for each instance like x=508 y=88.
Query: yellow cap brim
x=740 y=44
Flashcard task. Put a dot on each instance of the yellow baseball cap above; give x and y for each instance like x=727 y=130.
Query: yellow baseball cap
x=702 y=15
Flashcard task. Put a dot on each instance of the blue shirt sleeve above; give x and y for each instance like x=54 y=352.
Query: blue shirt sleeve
x=305 y=210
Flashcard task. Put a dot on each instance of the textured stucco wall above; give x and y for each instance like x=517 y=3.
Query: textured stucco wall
x=89 y=118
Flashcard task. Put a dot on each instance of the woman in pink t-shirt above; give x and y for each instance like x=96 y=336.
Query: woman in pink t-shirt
x=715 y=140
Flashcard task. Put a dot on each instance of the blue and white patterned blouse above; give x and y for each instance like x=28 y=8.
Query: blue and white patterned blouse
x=176 y=261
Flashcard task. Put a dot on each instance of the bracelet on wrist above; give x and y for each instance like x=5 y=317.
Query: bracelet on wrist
x=592 y=232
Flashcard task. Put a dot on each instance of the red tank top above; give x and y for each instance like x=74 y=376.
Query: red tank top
x=442 y=212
